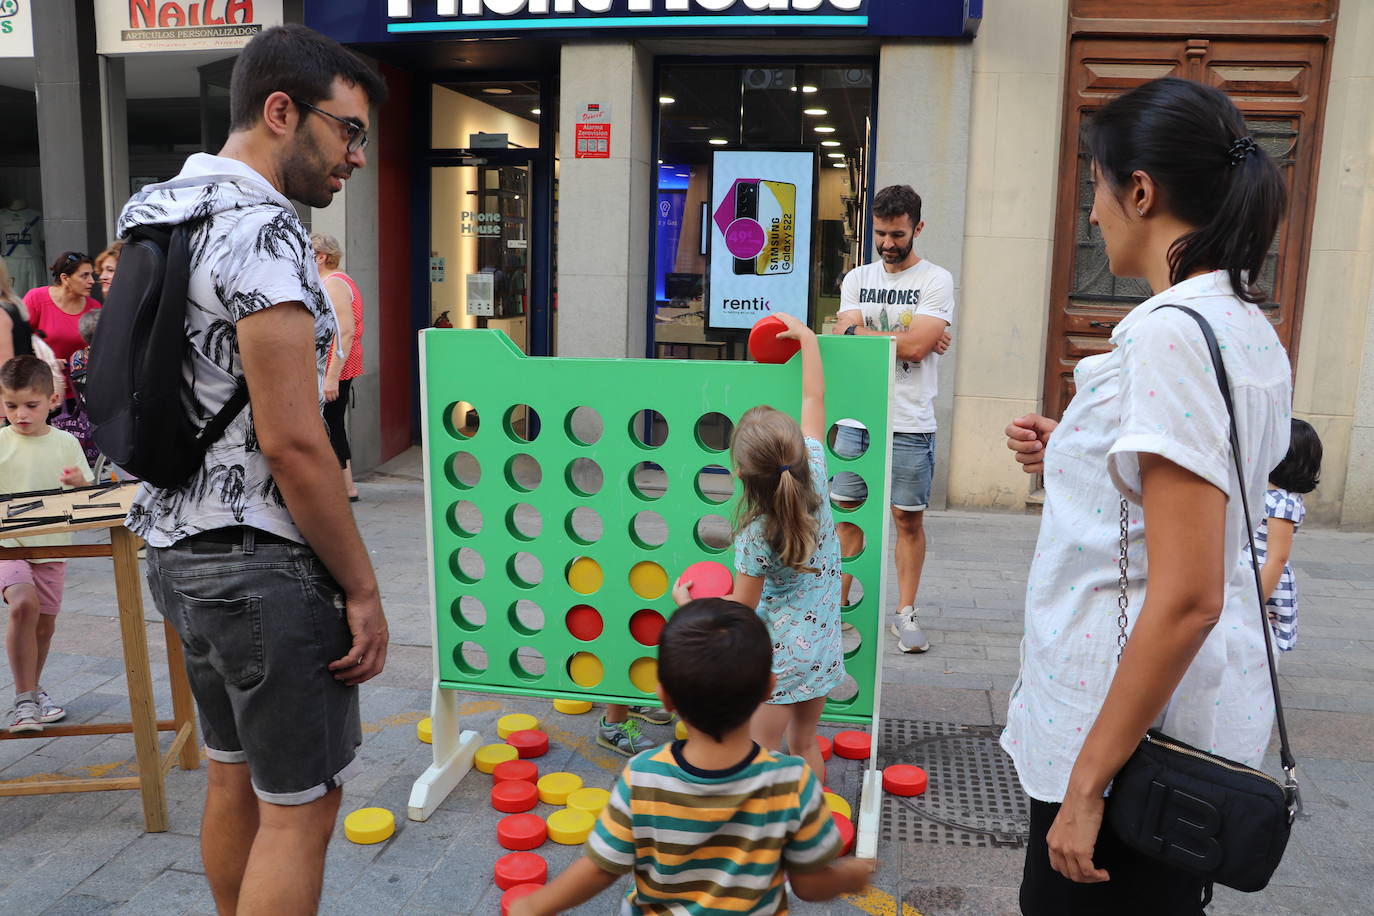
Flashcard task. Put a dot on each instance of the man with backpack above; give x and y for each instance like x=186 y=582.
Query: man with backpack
x=255 y=559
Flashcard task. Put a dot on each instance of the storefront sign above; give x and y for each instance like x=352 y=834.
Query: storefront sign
x=16 y=28
x=471 y=222
x=593 y=132
x=760 y=247
x=383 y=20
x=134 y=26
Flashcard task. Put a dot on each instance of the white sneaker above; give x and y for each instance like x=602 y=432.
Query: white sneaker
x=908 y=631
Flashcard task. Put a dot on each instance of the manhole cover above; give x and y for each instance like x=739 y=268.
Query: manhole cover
x=974 y=798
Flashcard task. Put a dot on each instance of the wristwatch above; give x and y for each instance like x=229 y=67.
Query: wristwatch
x=851 y=329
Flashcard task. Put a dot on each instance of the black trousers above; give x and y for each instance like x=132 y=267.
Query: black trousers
x=334 y=413
x=1138 y=885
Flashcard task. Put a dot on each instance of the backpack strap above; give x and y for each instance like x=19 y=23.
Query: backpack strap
x=213 y=430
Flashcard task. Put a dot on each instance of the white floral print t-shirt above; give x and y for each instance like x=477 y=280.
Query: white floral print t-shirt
x=1153 y=393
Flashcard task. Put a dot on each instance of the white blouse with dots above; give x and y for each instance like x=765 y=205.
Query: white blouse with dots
x=1154 y=392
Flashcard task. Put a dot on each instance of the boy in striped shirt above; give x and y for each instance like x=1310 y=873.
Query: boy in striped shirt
x=713 y=824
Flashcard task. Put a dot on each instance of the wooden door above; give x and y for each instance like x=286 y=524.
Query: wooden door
x=1278 y=84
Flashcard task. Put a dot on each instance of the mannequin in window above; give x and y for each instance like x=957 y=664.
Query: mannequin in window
x=21 y=244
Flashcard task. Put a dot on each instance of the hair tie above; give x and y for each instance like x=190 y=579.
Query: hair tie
x=1237 y=151
x=784 y=467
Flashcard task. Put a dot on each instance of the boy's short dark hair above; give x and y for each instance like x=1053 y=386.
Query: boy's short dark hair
x=300 y=62
x=714 y=662
x=1301 y=469
x=26 y=371
x=898 y=200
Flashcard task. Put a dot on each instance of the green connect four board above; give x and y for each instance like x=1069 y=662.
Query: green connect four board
x=564 y=496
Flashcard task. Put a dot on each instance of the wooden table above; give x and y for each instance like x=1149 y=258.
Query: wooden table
x=85 y=509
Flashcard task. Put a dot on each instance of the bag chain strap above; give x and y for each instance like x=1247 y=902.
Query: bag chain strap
x=1122 y=601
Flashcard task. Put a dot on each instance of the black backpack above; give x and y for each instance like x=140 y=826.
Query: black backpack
x=22 y=333
x=136 y=395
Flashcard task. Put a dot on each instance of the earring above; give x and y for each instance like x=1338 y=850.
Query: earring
x=1140 y=211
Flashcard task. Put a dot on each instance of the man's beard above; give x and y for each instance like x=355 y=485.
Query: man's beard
x=305 y=173
x=898 y=254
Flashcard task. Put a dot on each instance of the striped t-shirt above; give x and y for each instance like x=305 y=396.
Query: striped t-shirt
x=706 y=842
x=1283 y=603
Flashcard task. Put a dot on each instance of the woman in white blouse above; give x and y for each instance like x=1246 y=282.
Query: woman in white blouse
x=1185 y=199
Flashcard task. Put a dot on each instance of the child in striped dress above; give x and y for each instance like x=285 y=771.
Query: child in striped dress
x=714 y=824
x=1298 y=473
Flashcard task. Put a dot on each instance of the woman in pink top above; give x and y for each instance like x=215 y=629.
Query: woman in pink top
x=346 y=353
x=55 y=311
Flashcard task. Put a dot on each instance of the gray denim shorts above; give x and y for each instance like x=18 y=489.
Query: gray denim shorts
x=261 y=619
x=913 y=465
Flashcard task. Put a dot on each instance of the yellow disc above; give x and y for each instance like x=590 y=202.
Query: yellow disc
x=839 y=805
x=369 y=825
x=648 y=580
x=489 y=755
x=644 y=674
x=680 y=730
x=572 y=707
x=424 y=730
x=515 y=722
x=585 y=576
x=554 y=788
x=586 y=669
x=570 y=826
x=589 y=800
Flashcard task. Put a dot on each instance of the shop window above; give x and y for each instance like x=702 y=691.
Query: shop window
x=826 y=110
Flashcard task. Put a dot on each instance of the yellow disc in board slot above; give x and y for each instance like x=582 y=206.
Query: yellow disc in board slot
x=586 y=669
x=554 y=788
x=644 y=674
x=369 y=825
x=590 y=800
x=424 y=730
x=515 y=722
x=648 y=580
x=570 y=826
x=680 y=730
x=489 y=755
x=572 y=707
x=585 y=576
x=839 y=805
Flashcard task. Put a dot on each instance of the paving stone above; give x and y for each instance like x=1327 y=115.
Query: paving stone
x=75 y=904
x=171 y=892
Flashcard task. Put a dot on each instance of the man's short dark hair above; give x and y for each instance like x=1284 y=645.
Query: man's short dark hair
x=26 y=371
x=898 y=200
x=300 y=62
x=714 y=662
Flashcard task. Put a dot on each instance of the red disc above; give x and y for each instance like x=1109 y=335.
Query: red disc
x=904 y=779
x=584 y=622
x=514 y=796
x=709 y=579
x=764 y=345
x=846 y=827
x=821 y=741
x=520 y=868
x=515 y=893
x=852 y=745
x=529 y=743
x=521 y=770
x=646 y=626
x=522 y=831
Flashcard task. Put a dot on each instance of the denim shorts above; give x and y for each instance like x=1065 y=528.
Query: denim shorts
x=913 y=462
x=261 y=619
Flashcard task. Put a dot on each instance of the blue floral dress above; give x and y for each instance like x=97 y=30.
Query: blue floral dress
x=802 y=609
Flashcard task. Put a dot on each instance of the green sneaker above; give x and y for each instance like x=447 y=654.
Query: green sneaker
x=624 y=738
x=651 y=714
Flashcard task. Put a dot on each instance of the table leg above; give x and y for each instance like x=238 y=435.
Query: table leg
x=183 y=705
x=142 y=711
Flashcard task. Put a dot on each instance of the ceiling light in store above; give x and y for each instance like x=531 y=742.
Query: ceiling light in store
x=837 y=165
x=815 y=112
x=534 y=111
x=825 y=130
x=718 y=141
x=810 y=89
x=666 y=100
x=496 y=90
x=835 y=155
x=682 y=174
x=698 y=126
x=660 y=162
x=830 y=143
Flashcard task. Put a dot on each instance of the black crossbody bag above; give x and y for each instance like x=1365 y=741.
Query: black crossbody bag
x=1223 y=821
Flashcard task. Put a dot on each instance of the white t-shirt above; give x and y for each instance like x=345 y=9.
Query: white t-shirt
x=1153 y=393
x=889 y=302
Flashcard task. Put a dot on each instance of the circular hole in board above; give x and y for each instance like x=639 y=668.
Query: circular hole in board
x=855 y=441
x=845 y=692
x=464 y=518
x=648 y=530
x=524 y=522
x=845 y=499
x=715 y=485
x=648 y=429
x=713 y=431
x=584 y=426
x=467 y=565
x=852 y=641
x=646 y=626
x=852 y=538
x=522 y=423
x=523 y=472
x=463 y=470
x=584 y=476
x=648 y=580
x=524 y=569
x=586 y=669
x=470 y=658
x=584 y=622
x=648 y=481
x=469 y=613
x=856 y=594
x=584 y=525
x=584 y=575
x=526 y=617
x=713 y=533
x=527 y=663
x=644 y=674
x=461 y=420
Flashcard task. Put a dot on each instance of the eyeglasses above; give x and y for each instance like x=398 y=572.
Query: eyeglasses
x=357 y=136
